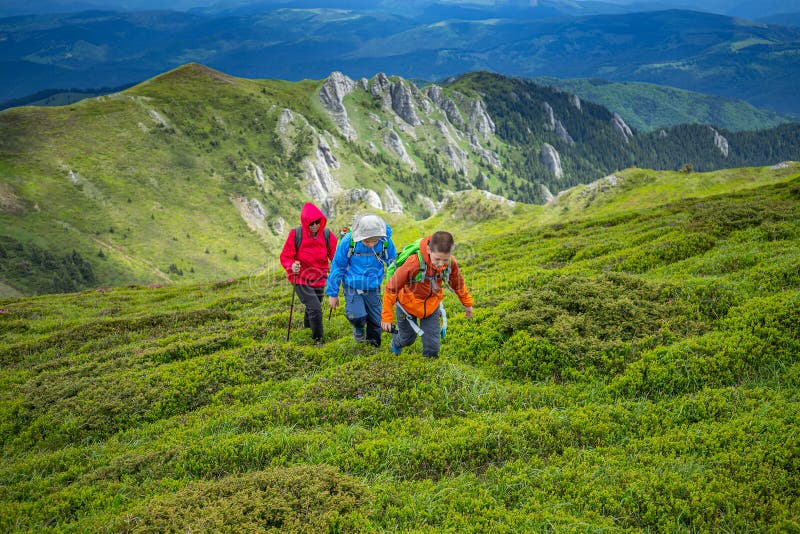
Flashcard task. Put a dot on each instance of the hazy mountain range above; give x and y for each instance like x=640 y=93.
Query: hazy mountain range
x=702 y=52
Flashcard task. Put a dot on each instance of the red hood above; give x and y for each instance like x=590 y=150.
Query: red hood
x=311 y=213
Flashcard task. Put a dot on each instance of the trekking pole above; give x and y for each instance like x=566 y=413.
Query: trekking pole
x=329 y=315
x=291 y=308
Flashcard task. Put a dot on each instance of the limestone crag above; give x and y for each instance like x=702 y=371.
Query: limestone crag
x=563 y=134
x=622 y=128
x=551 y=160
x=575 y=101
x=548 y=196
x=550 y=118
x=253 y=213
x=325 y=152
x=380 y=87
x=331 y=96
x=434 y=92
x=403 y=102
x=457 y=158
x=350 y=197
x=319 y=182
x=720 y=142
x=479 y=118
x=391 y=203
x=393 y=142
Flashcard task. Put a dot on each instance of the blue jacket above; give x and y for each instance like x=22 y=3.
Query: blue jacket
x=364 y=269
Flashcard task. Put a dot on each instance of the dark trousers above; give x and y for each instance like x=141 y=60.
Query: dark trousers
x=311 y=297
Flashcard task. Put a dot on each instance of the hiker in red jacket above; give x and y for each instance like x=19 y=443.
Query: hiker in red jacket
x=306 y=257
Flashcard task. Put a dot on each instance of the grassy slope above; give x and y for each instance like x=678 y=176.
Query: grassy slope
x=648 y=107
x=632 y=364
x=139 y=189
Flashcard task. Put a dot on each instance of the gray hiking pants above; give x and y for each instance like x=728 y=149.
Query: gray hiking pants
x=406 y=335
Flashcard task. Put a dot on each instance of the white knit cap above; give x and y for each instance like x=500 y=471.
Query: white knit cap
x=369 y=226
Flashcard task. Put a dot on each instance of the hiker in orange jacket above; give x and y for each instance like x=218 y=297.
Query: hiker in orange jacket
x=416 y=295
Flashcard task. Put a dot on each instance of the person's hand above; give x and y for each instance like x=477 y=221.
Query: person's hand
x=333 y=302
x=468 y=312
x=386 y=327
x=296 y=266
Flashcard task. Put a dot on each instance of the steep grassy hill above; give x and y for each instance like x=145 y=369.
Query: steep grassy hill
x=632 y=365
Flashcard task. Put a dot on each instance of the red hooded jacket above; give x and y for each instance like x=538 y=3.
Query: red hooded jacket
x=314 y=255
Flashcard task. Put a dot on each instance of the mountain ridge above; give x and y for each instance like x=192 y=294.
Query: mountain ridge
x=118 y=179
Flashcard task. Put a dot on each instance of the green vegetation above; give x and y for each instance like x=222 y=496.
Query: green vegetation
x=648 y=107
x=632 y=365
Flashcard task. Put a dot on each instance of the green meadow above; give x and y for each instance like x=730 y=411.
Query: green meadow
x=632 y=366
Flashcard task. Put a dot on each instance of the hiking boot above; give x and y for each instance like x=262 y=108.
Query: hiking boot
x=395 y=350
x=359 y=333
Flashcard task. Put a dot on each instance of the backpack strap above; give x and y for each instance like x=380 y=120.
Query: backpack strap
x=298 y=238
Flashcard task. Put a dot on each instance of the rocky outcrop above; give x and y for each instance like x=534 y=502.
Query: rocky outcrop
x=252 y=212
x=325 y=153
x=479 y=118
x=548 y=196
x=331 y=96
x=403 y=102
x=563 y=134
x=662 y=134
x=391 y=202
x=349 y=197
x=393 y=142
x=575 y=101
x=380 y=87
x=428 y=204
x=551 y=160
x=720 y=142
x=448 y=107
x=457 y=157
x=550 y=117
x=279 y=226
x=622 y=128
x=319 y=182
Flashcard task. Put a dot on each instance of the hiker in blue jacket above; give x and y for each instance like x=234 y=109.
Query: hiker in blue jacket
x=359 y=265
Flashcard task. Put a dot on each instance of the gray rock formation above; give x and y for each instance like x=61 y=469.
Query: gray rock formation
x=326 y=154
x=563 y=134
x=550 y=118
x=551 y=160
x=331 y=96
x=575 y=101
x=478 y=117
x=279 y=226
x=434 y=92
x=349 y=197
x=621 y=127
x=391 y=203
x=720 y=142
x=393 y=142
x=548 y=196
x=403 y=102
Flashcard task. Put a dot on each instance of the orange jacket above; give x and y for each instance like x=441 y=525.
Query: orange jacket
x=419 y=298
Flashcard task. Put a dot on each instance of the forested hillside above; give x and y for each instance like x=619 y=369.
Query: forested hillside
x=632 y=365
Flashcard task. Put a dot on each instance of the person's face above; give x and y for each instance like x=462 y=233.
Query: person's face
x=371 y=241
x=440 y=259
x=314 y=225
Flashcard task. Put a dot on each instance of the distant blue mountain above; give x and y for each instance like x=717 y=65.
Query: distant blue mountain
x=696 y=51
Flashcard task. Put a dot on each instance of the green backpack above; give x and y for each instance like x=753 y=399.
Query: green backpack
x=410 y=250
